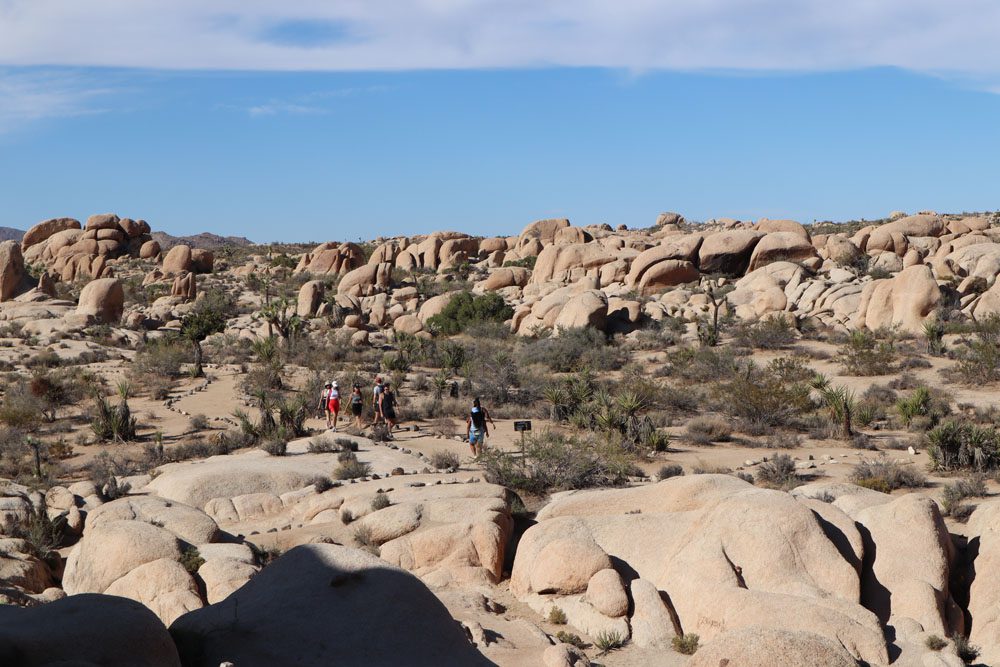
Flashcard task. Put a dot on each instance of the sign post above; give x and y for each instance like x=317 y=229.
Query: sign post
x=521 y=427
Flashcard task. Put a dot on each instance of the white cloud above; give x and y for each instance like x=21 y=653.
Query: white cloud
x=954 y=38
x=29 y=95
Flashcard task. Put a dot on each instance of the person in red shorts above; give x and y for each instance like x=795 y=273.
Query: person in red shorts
x=333 y=407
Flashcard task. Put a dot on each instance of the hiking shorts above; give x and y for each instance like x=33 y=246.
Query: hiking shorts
x=356 y=409
x=477 y=436
x=334 y=405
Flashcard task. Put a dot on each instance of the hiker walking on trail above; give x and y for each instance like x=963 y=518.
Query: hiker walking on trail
x=388 y=408
x=333 y=406
x=324 y=402
x=377 y=400
x=357 y=406
x=476 y=423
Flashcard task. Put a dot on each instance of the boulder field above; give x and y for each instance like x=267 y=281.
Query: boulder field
x=832 y=571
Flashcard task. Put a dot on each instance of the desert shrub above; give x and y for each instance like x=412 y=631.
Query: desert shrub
x=364 y=537
x=41 y=535
x=21 y=409
x=954 y=445
x=864 y=354
x=557 y=616
x=667 y=471
x=573 y=350
x=609 y=640
x=444 y=460
x=570 y=638
x=346 y=444
x=104 y=471
x=352 y=469
x=114 y=422
x=380 y=501
x=199 y=422
x=160 y=357
x=322 y=446
x=771 y=396
x=979 y=356
x=778 y=472
x=707 y=429
x=275 y=445
x=966 y=652
x=885 y=475
x=321 y=483
x=465 y=308
x=556 y=461
x=702 y=365
x=770 y=333
x=956 y=492
x=191 y=559
x=525 y=262
x=783 y=440
x=935 y=643
x=921 y=403
x=686 y=644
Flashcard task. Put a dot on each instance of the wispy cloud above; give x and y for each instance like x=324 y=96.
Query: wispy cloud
x=27 y=96
x=314 y=103
x=956 y=37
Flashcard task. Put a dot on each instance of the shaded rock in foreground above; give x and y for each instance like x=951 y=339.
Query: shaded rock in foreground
x=320 y=604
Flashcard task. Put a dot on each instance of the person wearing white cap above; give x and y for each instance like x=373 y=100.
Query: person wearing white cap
x=333 y=406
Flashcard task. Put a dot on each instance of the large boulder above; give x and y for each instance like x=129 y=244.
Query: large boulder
x=904 y=301
x=310 y=297
x=12 y=272
x=103 y=299
x=891 y=237
x=568 y=263
x=283 y=616
x=543 y=230
x=366 y=280
x=190 y=524
x=712 y=546
x=767 y=647
x=782 y=247
x=178 y=260
x=43 y=230
x=85 y=631
x=333 y=258
x=102 y=221
x=728 y=252
x=586 y=309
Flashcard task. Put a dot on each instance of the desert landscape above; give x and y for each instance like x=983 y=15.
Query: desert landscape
x=751 y=443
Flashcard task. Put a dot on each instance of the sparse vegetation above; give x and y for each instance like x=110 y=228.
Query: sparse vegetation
x=686 y=644
x=191 y=559
x=668 y=471
x=935 y=643
x=380 y=501
x=865 y=354
x=609 y=640
x=885 y=475
x=571 y=639
x=444 y=460
x=778 y=472
x=557 y=616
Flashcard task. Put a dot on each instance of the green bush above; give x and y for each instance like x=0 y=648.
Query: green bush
x=191 y=559
x=524 y=262
x=609 y=640
x=570 y=638
x=352 y=469
x=772 y=396
x=956 y=492
x=464 y=309
x=955 y=445
x=979 y=359
x=935 y=643
x=686 y=644
x=557 y=616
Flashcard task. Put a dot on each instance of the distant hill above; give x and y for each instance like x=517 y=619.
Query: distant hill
x=11 y=234
x=205 y=240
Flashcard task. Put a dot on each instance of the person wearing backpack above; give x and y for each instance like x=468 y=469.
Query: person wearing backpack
x=377 y=400
x=476 y=423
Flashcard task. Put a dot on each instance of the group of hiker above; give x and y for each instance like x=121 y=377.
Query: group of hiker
x=383 y=404
x=384 y=411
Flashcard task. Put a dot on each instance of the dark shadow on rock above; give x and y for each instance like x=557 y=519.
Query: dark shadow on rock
x=836 y=535
x=322 y=604
x=875 y=597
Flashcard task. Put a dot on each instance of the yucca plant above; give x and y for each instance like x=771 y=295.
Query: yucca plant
x=934 y=334
x=840 y=401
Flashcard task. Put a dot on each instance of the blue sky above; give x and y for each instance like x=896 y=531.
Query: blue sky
x=317 y=126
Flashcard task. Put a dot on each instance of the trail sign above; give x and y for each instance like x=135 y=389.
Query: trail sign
x=522 y=426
